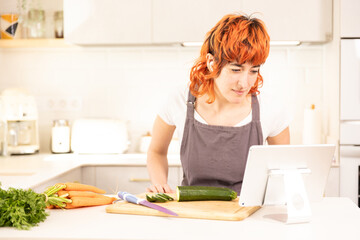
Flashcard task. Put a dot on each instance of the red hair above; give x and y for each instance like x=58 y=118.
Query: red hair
x=236 y=38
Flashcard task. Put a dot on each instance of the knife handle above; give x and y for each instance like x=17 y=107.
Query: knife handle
x=129 y=197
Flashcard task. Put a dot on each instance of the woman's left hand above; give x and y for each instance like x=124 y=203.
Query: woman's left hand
x=160 y=188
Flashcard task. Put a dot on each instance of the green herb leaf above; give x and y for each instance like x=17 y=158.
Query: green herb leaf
x=20 y=208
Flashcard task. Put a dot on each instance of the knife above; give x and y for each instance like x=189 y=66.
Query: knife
x=133 y=199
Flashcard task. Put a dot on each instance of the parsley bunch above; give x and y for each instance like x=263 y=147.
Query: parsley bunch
x=20 y=208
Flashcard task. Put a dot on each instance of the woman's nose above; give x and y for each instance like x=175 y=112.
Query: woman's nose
x=243 y=80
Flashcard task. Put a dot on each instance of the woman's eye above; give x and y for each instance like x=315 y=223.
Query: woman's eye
x=254 y=71
x=236 y=69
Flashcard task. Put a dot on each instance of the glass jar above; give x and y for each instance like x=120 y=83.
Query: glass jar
x=60 y=136
x=59 y=24
x=36 y=23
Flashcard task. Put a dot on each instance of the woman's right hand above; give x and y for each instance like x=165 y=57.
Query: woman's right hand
x=160 y=188
x=157 y=162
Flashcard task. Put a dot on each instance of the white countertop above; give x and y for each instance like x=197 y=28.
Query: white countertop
x=28 y=171
x=333 y=218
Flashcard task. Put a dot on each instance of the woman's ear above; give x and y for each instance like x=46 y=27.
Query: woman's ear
x=209 y=61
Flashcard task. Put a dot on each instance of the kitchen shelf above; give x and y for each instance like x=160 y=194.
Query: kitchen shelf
x=34 y=43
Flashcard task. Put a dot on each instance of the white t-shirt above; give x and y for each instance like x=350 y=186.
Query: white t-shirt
x=274 y=117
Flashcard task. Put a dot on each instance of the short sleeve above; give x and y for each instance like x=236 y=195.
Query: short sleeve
x=275 y=115
x=174 y=105
x=281 y=120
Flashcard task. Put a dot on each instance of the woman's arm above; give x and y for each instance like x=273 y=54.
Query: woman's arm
x=157 y=162
x=281 y=138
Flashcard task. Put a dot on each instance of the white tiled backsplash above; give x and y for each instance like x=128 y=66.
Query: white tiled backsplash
x=132 y=83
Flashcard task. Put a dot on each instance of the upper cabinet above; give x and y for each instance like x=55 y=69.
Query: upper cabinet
x=304 y=21
x=96 y=22
x=177 y=21
x=349 y=18
x=107 y=21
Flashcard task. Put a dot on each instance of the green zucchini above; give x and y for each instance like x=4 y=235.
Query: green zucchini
x=203 y=193
x=159 y=197
x=167 y=197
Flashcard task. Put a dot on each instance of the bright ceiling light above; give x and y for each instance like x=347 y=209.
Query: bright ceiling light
x=272 y=43
x=285 y=43
x=191 y=44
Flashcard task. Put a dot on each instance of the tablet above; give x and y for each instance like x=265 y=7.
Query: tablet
x=314 y=162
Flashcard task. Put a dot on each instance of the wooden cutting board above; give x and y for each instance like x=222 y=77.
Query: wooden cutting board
x=216 y=210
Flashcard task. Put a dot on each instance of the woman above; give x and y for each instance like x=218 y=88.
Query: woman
x=218 y=117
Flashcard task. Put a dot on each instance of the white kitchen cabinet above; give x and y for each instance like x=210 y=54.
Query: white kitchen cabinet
x=350 y=81
x=88 y=175
x=74 y=175
x=133 y=179
x=332 y=186
x=120 y=22
x=349 y=18
x=95 y=22
x=188 y=21
x=304 y=21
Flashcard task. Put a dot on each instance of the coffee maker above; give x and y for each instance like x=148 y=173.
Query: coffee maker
x=20 y=117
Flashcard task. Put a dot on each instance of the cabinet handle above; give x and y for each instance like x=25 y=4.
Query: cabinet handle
x=139 y=179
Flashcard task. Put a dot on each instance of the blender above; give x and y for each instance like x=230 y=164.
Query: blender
x=20 y=116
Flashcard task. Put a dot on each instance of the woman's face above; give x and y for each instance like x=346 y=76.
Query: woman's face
x=235 y=81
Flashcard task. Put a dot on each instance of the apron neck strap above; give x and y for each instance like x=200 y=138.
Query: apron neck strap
x=191 y=98
x=190 y=106
x=255 y=108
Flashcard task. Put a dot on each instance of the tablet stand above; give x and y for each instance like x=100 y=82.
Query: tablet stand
x=297 y=202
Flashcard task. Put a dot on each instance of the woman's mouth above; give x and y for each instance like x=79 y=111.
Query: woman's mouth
x=239 y=92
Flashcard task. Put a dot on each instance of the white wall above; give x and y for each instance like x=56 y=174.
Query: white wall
x=131 y=83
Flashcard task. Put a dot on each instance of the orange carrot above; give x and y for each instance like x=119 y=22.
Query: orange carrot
x=79 y=194
x=82 y=187
x=88 y=201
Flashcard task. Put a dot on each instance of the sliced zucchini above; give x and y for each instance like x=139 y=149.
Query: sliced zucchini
x=167 y=197
x=149 y=198
x=159 y=197
x=204 y=193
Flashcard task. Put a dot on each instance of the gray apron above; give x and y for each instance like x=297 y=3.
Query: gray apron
x=216 y=155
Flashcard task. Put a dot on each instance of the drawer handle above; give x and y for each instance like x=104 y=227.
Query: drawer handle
x=139 y=179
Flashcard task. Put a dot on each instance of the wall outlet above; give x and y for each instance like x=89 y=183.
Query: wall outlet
x=66 y=104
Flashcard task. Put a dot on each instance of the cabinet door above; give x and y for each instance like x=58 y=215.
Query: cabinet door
x=350 y=18
x=133 y=179
x=186 y=20
x=305 y=21
x=74 y=175
x=107 y=22
x=333 y=183
x=350 y=79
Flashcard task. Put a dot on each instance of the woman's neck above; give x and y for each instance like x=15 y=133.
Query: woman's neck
x=222 y=112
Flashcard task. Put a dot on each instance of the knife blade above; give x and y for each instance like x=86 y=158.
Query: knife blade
x=133 y=199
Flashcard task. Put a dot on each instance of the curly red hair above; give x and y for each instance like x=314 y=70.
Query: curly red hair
x=236 y=38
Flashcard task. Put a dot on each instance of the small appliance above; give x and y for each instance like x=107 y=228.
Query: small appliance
x=99 y=136
x=2 y=130
x=20 y=117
